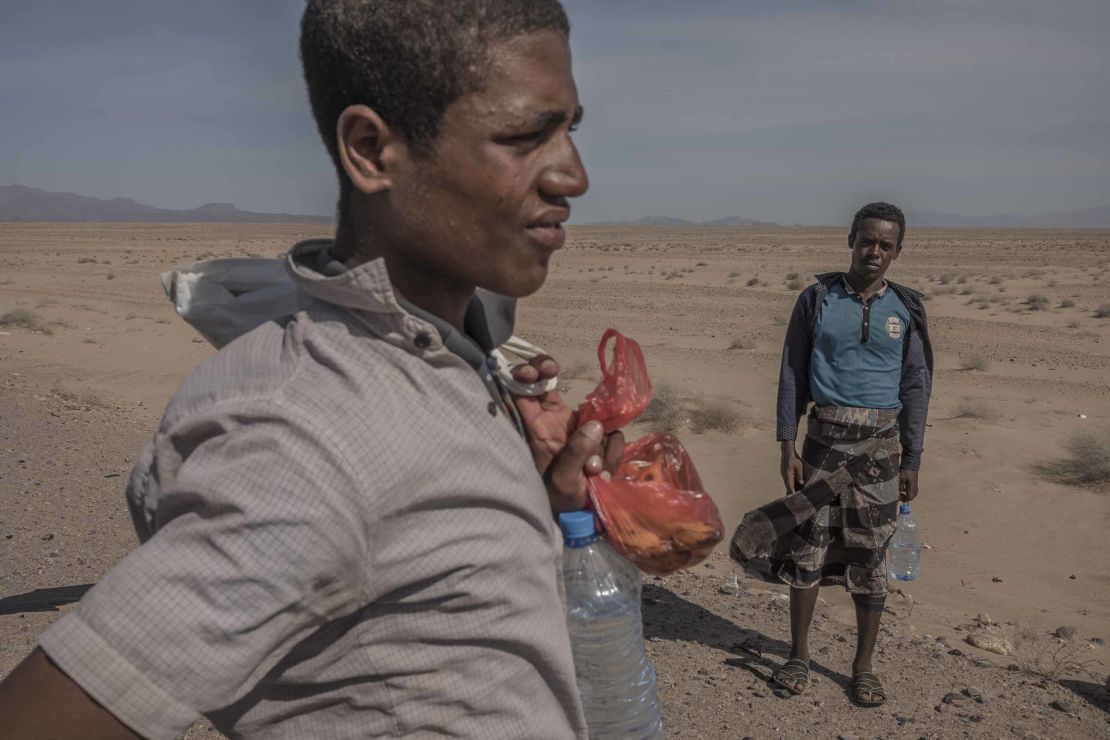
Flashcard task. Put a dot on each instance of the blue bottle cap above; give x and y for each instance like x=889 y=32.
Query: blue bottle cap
x=577 y=524
x=904 y=508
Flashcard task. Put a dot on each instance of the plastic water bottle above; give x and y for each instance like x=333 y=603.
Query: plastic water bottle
x=905 y=547
x=615 y=678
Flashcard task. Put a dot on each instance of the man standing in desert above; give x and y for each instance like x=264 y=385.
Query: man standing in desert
x=857 y=348
x=345 y=531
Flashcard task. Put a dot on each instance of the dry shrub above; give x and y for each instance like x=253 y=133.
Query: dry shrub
x=580 y=369
x=1087 y=462
x=995 y=280
x=946 y=278
x=1037 y=302
x=973 y=362
x=971 y=409
x=87 y=261
x=665 y=412
x=718 y=416
x=25 y=319
x=1051 y=658
x=791 y=276
x=1067 y=303
x=734 y=274
x=672 y=275
x=1103 y=311
x=752 y=282
x=795 y=284
x=83 y=396
x=742 y=343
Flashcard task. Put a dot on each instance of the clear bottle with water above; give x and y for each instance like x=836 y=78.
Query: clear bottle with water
x=904 y=552
x=615 y=678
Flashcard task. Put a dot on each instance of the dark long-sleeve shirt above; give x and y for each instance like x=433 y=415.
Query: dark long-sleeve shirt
x=794 y=395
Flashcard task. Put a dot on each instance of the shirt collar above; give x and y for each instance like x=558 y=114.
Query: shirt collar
x=852 y=291
x=366 y=288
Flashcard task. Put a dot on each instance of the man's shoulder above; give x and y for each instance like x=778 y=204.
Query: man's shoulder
x=914 y=300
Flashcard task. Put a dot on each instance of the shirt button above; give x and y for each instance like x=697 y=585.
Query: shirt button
x=422 y=340
x=492 y=408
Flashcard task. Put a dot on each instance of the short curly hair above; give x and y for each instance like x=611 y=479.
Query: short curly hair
x=883 y=212
x=407 y=59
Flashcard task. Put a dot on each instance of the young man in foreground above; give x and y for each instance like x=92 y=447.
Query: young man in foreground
x=858 y=349
x=344 y=531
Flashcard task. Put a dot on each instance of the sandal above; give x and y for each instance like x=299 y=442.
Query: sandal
x=791 y=673
x=867 y=683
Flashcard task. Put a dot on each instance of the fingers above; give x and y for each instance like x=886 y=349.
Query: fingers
x=538 y=368
x=614 y=451
x=565 y=478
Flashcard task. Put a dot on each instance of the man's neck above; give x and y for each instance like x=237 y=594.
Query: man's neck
x=354 y=247
x=866 y=287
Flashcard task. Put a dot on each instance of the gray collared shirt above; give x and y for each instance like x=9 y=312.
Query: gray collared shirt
x=339 y=540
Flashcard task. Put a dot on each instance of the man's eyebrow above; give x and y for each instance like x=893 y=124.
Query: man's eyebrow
x=548 y=119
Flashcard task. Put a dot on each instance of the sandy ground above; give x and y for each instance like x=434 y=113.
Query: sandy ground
x=81 y=393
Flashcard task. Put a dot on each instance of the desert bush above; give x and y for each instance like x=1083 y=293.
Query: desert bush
x=791 y=276
x=795 y=285
x=1073 y=324
x=946 y=290
x=84 y=396
x=580 y=369
x=1037 y=302
x=946 y=278
x=973 y=362
x=25 y=319
x=742 y=343
x=702 y=264
x=962 y=279
x=752 y=282
x=1067 y=303
x=972 y=409
x=1049 y=657
x=111 y=276
x=995 y=280
x=1103 y=311
x=665 y=412
x=718 y=416
x=1087 y=462
x=86 y=261
x=672 y=275
x=734 y=274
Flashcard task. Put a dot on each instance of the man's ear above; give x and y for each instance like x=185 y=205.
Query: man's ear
x=367 y=148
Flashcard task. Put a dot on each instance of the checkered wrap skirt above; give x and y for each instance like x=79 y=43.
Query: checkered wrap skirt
x=836 y=529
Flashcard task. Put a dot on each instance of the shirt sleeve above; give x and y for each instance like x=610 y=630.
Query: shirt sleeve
x=257 y=542
x=793 y=393
x=914 y=392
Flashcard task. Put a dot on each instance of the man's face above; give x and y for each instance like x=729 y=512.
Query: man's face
x=485 y=208
x=874 y=248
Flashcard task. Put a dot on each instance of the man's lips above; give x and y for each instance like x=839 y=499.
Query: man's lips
x=549 y=235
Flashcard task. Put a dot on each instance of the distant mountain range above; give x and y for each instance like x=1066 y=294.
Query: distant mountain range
x=1084 y=218
x=19 y=203
x=667 y=221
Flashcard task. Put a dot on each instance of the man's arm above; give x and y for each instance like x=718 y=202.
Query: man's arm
x=40 y=702
x=793 y=395
x=914 y=391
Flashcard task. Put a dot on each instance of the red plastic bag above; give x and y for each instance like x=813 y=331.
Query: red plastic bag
x=654 y=510
x=624 y=391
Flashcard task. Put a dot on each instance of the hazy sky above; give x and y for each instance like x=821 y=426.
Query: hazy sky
x=794 y=111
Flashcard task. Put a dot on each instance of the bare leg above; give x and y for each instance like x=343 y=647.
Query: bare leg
x=869 y=613
x=802 y=603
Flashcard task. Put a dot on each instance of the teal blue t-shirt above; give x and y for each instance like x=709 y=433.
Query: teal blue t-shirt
x=857 y=354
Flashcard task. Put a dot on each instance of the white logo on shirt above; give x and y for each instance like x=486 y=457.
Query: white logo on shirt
x=894 y=327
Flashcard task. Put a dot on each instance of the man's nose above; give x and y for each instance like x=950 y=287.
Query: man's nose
x=565 y=176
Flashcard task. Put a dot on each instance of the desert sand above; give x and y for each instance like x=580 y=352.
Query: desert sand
x=91 y=352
